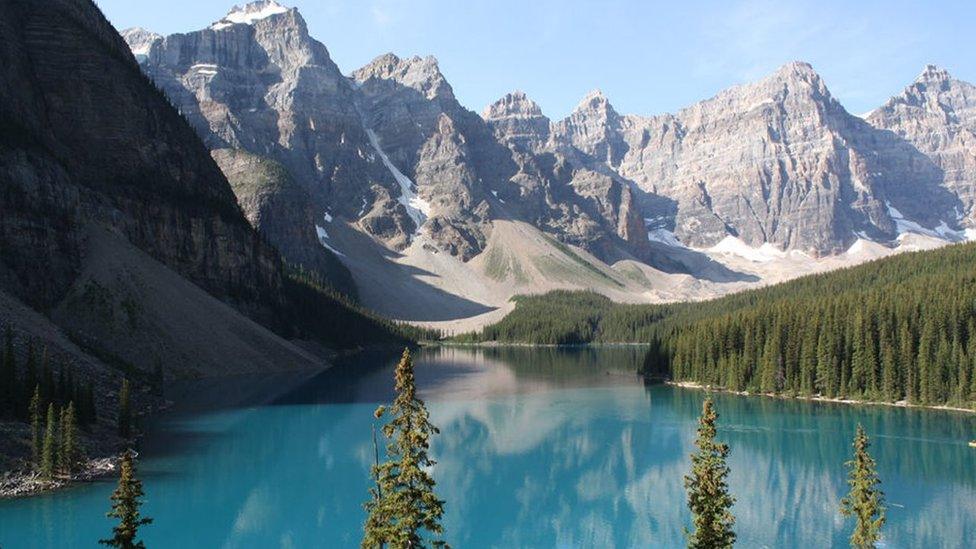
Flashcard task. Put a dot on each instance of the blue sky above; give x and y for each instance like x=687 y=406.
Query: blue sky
x=647 y=57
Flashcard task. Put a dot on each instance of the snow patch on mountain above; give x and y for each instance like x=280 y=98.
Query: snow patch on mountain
x=904 y=225
x=249 y=13
x=324 y=240
x=208 y=69
x=140 y=41
x=664 y=236
x=731 y=245
x=417 y=208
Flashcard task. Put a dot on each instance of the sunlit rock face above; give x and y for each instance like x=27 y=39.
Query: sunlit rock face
x=776 y=161
x=261 y=84
x=390 y=151
x=388 y=148
x=937 y=114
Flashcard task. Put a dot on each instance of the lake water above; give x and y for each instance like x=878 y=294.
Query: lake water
x=538 y=448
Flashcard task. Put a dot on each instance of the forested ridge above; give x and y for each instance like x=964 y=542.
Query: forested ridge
x=900 y=328
x=318 y=311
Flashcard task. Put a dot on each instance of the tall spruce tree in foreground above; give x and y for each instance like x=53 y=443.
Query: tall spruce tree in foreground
x=708 y=492
x=126 y=501
x=403 y=505
x=865 y=501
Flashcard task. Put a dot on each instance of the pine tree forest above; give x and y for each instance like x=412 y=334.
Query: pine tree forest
x=897 y=329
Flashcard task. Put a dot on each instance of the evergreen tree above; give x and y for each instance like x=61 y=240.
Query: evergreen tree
x=926 y=362
x=770 y=363
x=907 y=363
x=865 y=501
x=808 y=362
x=125 y=411
x=972 y=375
x=31 y=380
x=403 y=504
x=48 y=455
x=655 y=361
x=126 y=501
x=859 y=358
x=36 y=429
x=890 y=390
x=708 y=494
x=826 y=371
x=60 y=457
x=8 y=377
x=69 y=450
x=748 y=365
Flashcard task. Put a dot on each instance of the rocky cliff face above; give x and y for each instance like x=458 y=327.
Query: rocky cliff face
x=594 y=128
x=389 y=150
x=87 y=138
x=255 y=81
x=444 y=149
x=562 y=190
x=937 y=114
x=779 y=161
x=518 y=122
x=281 y=209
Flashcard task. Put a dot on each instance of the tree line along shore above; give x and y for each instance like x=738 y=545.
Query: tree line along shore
x=897 y=330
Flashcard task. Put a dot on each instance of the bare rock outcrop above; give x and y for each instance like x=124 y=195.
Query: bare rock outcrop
x=937 y=114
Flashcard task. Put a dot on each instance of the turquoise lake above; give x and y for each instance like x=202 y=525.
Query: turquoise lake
x=538 y=448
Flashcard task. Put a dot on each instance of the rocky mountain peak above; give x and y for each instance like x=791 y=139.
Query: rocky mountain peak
x=420 y=73
x=937 y=114
x=938 y=92
x=794 y=90
x=935 y=92
x=933 y=73
x=140 y=40
x=517 y=120
x=799 y=75
x=595 y=102
x=250 y=13
x=514 y=104
x=798 y=68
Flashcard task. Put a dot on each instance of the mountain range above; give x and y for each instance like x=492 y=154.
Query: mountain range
x=386 y=186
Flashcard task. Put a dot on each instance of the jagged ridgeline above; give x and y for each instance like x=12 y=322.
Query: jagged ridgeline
x=901 y=328
x=382 y=177
x=122 y=231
